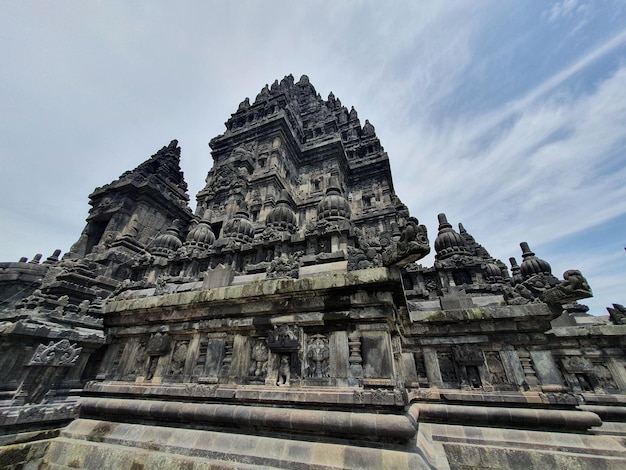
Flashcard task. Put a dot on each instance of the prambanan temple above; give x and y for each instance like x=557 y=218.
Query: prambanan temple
x=287 y=322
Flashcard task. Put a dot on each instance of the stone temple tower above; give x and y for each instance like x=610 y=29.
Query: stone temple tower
x=285 y=322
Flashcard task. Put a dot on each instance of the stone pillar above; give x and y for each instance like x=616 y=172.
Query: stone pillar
x=72 y=379
x=227 y=360
x=356 y=360
x=617 y=371
x=513 y=367
x=432 y=367
x=409 y=370
x=547 y=371
x=192 y=356
x=339 y=355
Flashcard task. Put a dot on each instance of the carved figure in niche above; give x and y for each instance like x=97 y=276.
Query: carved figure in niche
x=604 y=376
x=467 y=354
x=447 y=368
x=473 y=377
x=177 y=365
x=318 y=354
x=259 y=357
x=159 y=343
x=132 y=228
x=140 y=360
x=63 y=303
x=430 y=284
x=284 y=370
x=497 y=373
x=420 y=367
x=154 y=360
x=584 y=382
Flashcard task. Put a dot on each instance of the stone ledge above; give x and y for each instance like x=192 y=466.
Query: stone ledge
x=607 y=413
x=489 y=312
x=244 y=293
x=564 y=420
x=95 y=444
x=253 y=394
x=495 y=447
x=337 y=424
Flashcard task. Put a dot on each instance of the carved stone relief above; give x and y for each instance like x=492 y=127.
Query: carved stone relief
x=177 y=362
x=59 y=354
x=318 y=354
x=259 y=355
x=497 y=373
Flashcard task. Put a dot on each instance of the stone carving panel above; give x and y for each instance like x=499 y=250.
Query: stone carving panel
x=177 y=363
x=497 y=373
x=61 y=353
x=259 y=355
x=318 y=354
x=284 y=338
x=604 y=376
x=159 y=344
x=447 y=368
x=468 y=355
x=577 y=364
x=284 y=370
x=139 y=361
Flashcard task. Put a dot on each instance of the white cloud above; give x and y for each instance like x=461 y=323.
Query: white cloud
x=563 y=9
x=548 y=166
x=91 y=91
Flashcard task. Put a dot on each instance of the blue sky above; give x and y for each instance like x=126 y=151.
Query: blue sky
x=508 y=116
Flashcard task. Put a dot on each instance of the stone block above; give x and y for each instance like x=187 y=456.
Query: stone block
x=221 y=276
x=325 y=269
x=546 y=368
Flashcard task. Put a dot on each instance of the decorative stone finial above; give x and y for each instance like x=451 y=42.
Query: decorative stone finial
x=526 y=251
x=532 y=265
x=448 y=242
x=368 y=129
x=333 y=185
x=443 y=221
x=245 y=104
x=36 y=258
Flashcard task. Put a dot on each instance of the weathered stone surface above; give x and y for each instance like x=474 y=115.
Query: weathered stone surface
x=286 y=325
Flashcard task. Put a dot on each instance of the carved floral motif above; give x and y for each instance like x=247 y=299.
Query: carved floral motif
x=62 y=353
x=259 y=356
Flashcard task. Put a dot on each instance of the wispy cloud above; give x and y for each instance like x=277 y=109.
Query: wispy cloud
x=565 y=8
x=480 y=104
x=540 y=168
